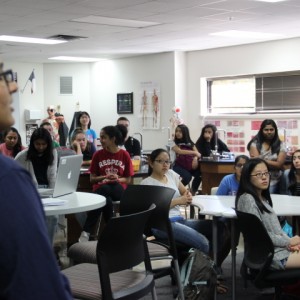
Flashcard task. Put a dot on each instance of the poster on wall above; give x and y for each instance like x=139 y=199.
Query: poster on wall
x=125 y=103
x=150 y=99
x=30 y=128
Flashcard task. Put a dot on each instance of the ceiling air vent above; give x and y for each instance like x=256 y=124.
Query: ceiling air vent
x=65 y=37
x=66 y=85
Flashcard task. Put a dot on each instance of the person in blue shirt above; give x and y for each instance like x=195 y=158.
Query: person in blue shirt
x=230 y=183
x=84 y=122
x=28 y=268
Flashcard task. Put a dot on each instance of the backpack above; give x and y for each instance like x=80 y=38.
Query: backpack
x=198 y=276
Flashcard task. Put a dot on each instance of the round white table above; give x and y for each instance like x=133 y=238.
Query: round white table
x=74 y=203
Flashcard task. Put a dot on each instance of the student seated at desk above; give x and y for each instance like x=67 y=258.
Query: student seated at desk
x=12 y=143
x=191 y=232
x=187 y=156
x=81 y=145
x=111 y=170
x=254 y=197
x=230 y=183
x=207 y=141
x=40 y=160
x=268 y=146
x=48 y=126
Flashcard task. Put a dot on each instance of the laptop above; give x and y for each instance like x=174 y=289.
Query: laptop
x=67 y=177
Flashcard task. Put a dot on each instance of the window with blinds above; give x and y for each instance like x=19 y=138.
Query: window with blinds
x=254 y=94
x=279 y=93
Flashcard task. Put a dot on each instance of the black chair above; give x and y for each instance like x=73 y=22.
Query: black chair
x=135 y=199
x=121 y=246
x=258 y=256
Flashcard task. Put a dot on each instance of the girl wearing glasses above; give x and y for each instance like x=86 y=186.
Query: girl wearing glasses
x=253 y=197
x=230 y=183
x=191 y=232
x=12 y=143
x=267 y=145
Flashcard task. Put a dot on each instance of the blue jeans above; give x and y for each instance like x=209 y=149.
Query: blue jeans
x=190 y=233
x=198 y=234
x=51 y=222
x=187 y=176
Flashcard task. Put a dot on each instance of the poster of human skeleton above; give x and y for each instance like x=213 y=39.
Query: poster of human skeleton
x=150 y=105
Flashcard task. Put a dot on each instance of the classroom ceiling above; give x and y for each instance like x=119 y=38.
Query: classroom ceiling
x=180 y=25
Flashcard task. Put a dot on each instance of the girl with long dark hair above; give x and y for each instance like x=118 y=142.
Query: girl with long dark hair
x=268 y=146
x=187 y=156
x=208 y=141
x=111 y=170
x=191 y=232
x=12 y=143
x=40 y=160
x=81 y=145
x=84 y=122
x=253 y=197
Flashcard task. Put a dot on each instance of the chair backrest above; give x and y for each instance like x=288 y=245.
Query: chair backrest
x=139 y=197
x=259 y=249
x=122 y=246
x=214 y=190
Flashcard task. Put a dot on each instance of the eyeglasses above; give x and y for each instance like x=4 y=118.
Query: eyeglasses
x=8 y=76
x=160 y=161
x=239 y=166
x=52 y=110
x=260 y=175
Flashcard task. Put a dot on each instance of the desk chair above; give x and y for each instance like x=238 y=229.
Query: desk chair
x=135 y=199
x=121 y=246
x=258 y=256
x=214 y=190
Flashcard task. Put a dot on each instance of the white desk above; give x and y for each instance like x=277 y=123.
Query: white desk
x=222 y=206
x=76 y=202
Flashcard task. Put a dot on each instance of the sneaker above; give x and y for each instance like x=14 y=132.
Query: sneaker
x=84 y=237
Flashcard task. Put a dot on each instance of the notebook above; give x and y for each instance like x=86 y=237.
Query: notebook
x=67 y=177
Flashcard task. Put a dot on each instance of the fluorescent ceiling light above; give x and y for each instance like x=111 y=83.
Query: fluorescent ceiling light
x=245 y=34
x=73 y=58
x=271 y=1
x=23 y=39
x=114 y=22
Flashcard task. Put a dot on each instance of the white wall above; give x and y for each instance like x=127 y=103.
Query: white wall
x=80 y=72
x=108 y=78
x=26 y=99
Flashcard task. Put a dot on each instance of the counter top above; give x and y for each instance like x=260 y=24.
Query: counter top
x=220 y=161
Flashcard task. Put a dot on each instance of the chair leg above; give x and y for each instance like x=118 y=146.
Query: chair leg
x=179 y=283
x=153 y=293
